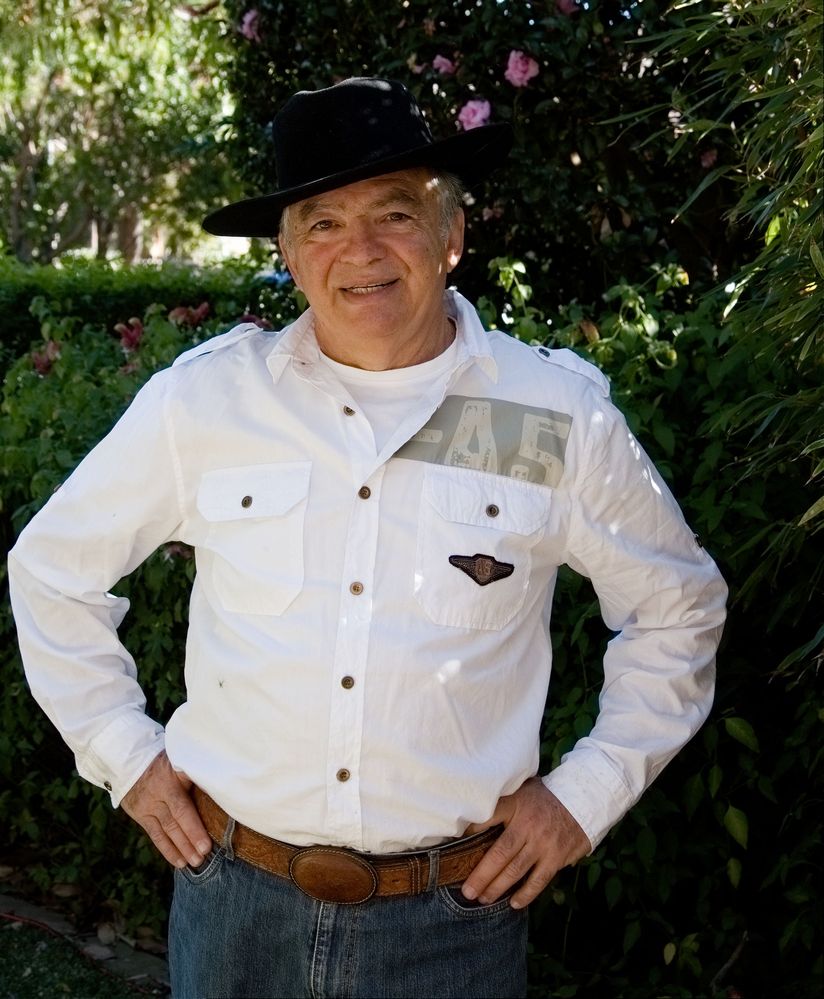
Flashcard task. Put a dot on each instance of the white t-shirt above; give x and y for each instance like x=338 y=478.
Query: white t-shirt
x=386 y=397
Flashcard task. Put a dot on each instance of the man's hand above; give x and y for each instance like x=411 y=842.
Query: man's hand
x=540 y=838
x=160 y=802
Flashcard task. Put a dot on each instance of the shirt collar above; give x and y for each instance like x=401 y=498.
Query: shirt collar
x=297 y=341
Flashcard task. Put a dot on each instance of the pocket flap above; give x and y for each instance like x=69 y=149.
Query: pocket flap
x=466 y=496
x=251 y=491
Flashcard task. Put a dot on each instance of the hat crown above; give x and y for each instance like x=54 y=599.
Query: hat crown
x=319 y=133
x=357 y=129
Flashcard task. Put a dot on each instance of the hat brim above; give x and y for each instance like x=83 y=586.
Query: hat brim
x=470 y=155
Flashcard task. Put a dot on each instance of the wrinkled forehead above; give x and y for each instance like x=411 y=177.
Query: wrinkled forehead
x=412 y=187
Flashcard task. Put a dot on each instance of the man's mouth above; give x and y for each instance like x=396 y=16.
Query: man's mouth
x=369 y=289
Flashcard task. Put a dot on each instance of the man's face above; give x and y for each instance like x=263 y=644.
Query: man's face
x=372 y=262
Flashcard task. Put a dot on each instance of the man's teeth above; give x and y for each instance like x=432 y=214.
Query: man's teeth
x=367 y=289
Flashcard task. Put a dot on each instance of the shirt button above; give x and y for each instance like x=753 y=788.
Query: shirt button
x=348 y=682
x=108 y=785
x=246 y=502
x=364 y=492
x=349 y=411
x=343 y=775
x=492 y=510
x=356 y=589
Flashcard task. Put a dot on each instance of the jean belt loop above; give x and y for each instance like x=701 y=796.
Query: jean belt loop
x=228 y=834
x=434 y=869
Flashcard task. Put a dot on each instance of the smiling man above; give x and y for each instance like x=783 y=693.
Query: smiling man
x=379 y=498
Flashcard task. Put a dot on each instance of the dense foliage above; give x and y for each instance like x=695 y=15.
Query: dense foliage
x=590 y=193
x=109 y=118
x=709 y=331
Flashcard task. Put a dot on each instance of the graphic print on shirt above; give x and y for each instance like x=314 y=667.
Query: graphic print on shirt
x=494 y=435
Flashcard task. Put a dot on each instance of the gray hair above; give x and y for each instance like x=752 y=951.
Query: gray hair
x=450 y=191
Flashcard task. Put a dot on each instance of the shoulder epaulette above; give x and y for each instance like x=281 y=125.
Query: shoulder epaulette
x=566 y=358
x=219 y=342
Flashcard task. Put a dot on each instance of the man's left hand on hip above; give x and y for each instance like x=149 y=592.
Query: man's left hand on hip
x=540 y=837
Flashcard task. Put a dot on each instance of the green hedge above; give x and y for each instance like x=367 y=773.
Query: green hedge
x=102 y=294
x=711 y=881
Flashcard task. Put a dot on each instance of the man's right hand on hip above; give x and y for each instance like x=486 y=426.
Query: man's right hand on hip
x=160 y=802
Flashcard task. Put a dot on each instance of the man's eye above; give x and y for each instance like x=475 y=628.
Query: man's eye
x=397 y=216
x=322 y=225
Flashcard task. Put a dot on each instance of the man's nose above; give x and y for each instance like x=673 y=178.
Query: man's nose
x=362 y=244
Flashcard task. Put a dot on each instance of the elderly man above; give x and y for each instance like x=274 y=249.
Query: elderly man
x=379 y=498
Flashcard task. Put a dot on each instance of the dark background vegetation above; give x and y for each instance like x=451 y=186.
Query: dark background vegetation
x=661 y=214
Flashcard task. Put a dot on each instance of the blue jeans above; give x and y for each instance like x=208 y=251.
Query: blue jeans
x=237 y=931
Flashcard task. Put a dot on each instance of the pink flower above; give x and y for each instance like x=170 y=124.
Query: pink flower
x=184 y=315
x=566 y=7
x=131 y=333
x=473 y=114
x=44 y=359
x=443 y=65
x=520 y=68
x=495 y=212
x=250 y=24
x=709 y=158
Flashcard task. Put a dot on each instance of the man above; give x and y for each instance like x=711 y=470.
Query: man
x=379 y=498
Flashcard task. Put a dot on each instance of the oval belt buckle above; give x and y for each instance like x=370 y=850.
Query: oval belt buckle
x=330 y=874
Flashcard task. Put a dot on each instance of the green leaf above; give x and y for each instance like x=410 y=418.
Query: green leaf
x=694 y=791
x=613 y=890
x=632 y=935
x=714 y=779
x=670 y=950
x=734 y=871
x=741 y=730
x=736 y=824
x=813 y=511
x=818 y=257
x=665 y=437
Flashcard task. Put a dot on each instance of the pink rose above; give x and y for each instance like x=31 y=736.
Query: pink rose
x=443 y=65
x=250 y=24
x=566 y=7
x=520 y=69
x=473 y=114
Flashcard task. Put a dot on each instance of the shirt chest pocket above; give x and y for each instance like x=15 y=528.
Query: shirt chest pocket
x=252 y=555
x=475 y=537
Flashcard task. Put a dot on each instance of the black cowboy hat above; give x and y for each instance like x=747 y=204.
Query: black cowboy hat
x=357 y=129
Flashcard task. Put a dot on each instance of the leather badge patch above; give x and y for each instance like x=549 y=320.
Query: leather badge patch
x=482 y=569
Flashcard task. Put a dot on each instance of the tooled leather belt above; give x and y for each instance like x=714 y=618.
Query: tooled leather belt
x=334 y=874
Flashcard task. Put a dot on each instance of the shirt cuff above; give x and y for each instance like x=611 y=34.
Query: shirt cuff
x=591 y=790
x=118 y=755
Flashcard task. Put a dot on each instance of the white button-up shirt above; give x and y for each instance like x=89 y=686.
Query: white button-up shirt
x=369 y=666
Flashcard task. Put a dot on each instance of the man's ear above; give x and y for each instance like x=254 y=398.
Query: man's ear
x=455 y=241
x=288 y=261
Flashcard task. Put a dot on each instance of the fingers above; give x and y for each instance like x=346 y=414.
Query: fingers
x=160 y=803
x=540 y=837
x=175 y=828
x=509 y=860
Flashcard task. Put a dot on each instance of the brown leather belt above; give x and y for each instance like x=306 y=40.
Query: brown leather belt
x=334 y=874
